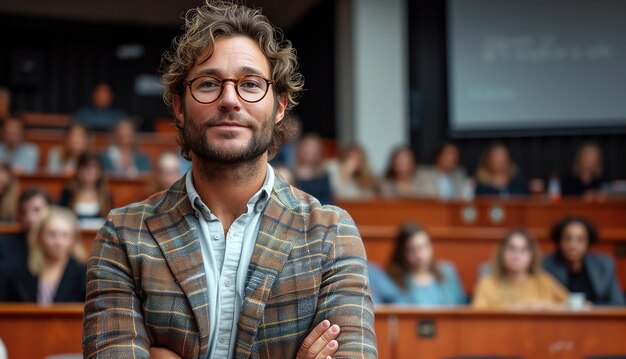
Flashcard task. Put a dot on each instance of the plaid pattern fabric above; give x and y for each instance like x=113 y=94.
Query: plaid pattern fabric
x=146 y=282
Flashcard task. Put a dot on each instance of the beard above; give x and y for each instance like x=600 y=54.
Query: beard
x=194 y=137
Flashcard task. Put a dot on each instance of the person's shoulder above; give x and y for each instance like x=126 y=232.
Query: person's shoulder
x=307 y=205
x=447 y=268
x=600 y=260
x=145 y=209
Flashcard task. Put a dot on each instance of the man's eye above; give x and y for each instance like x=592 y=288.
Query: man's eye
x=249 y=84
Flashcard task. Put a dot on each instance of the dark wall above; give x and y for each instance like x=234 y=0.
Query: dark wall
x=537 y=156
x=70 y=57
x=314 y=39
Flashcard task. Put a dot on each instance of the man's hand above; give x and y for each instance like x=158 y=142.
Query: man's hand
x=162 y=353
x=320 y=343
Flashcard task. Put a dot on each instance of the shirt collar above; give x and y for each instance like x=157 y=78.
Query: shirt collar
x=258 y=201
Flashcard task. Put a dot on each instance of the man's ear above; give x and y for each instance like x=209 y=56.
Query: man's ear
x=282 y=106
x=177 y=104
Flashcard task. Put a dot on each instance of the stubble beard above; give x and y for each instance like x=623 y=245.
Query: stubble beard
x=194 y=135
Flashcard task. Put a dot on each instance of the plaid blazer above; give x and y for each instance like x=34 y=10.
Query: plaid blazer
x=146 y=284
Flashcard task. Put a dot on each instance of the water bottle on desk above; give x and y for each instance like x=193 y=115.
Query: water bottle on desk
x=554 y=189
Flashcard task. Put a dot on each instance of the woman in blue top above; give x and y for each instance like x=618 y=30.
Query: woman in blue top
x=424 y=280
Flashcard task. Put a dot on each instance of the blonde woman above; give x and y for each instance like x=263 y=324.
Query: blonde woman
x=350 y=175
x=54 y=272
x=9 y=191
x=517 y=280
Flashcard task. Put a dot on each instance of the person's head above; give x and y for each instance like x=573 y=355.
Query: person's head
x=168 y=170
x=402 y=164
x=5 y=102
x=102 y=96
x=230 y=79
x=76 y=141
x=32 y=204
x=572 y=237
x=413 y=252
x=12 y=131
x=124 y=134
x=89 y=170
x=588 y=159
x=55 y=238
x=9 y=190
x=354 y=156
x=310 y=151
x=447 y=157
x=495 y=160
x=516 y=253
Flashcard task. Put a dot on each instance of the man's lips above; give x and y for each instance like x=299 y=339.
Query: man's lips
x=229 y=125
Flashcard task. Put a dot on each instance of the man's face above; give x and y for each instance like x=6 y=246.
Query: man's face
x=32 y=210
x=230 y=130
x=102 y=96
x=13 y=132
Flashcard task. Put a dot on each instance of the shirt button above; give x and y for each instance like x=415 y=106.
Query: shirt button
x=259 y=207
x=228 y=283
x=216 y=236
x=221 y=340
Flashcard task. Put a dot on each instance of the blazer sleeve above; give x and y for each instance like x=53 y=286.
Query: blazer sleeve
x=344 y=296
x=615 y=294
x=113 y=324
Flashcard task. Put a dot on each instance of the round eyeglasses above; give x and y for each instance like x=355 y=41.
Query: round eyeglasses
x=207 y=89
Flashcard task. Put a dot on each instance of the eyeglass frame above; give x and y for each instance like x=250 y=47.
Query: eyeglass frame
x=223 y=82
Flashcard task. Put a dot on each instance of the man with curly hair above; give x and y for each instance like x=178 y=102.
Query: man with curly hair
x=230 y=261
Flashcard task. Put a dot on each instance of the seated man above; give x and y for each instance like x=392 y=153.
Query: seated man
x=230 y=261
x=23 y=156
x=101 y=114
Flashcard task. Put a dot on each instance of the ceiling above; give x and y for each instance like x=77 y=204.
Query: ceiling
x=283 y=13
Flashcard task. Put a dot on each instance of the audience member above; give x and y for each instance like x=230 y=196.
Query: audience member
x=400 y=178
x=167 y=171
x=580 y=270
x=121 y=158
x=384 y=289
x=286 y=155
x=424 y=280
x=586 y=177
x=497 y=175
x=517 y=280
x=87 y=193
x=5 y=103
x=446 y=179
x=101 y=114
x=23 y=156
x=311 y=175
x=32 y=205
x=54 y=272
x=350 y=175
x=63 y=159
x=9 y=191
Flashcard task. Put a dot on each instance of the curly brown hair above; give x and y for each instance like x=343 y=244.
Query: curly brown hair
x=218 y=19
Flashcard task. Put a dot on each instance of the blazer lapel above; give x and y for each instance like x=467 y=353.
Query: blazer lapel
x=595 y=276
x=176 y=231
x=270 y=254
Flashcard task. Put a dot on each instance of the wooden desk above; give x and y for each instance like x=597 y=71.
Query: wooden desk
x=468 y=248
x=484 y=212
x=407 y=333
x=30 y=331
x=124 y=190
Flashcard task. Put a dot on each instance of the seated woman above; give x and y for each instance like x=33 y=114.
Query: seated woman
x=87 y=193
x=9 y=192
x=54 y=272
x=497 y=175
x=63 y=159
x=424 y=280
x=579 y=269
x=350 y=175
x=586 y=177
x=121 y=158
x=446 y=179
x=400 y=177
x=517 y=280
x=310 y=171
